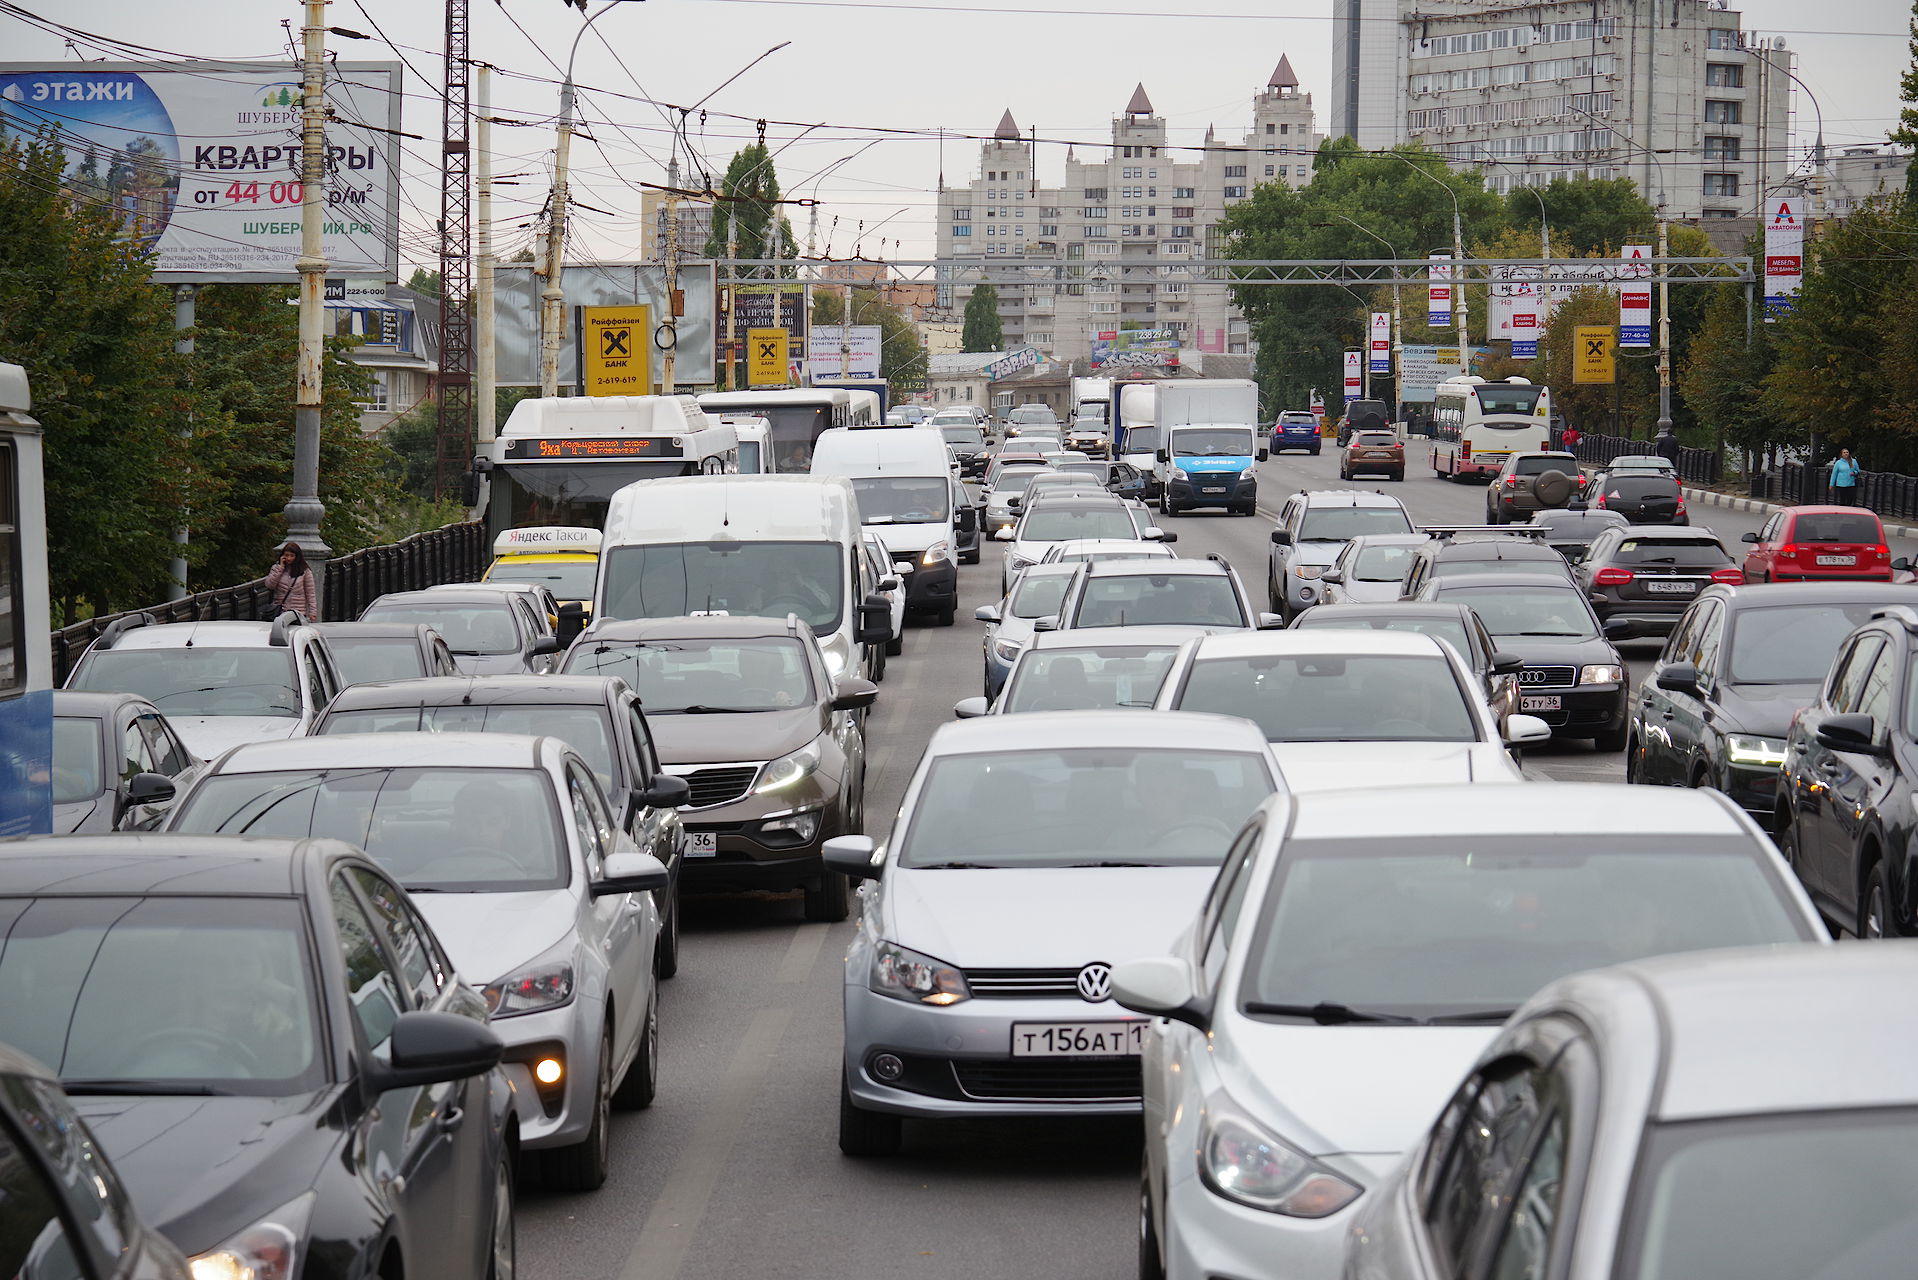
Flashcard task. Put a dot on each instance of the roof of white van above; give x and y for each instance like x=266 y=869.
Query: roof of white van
x=871 y=451
x=748 y=508
x=605 y=415
x=792 y=395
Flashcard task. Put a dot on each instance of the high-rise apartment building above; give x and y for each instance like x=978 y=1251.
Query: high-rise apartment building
x=1143 y=202
x=1670 y=93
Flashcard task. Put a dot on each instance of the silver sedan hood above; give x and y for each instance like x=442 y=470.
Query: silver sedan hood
x=488 y=935
x=208 y=736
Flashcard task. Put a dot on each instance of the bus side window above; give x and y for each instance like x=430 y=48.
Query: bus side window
x=13 y=628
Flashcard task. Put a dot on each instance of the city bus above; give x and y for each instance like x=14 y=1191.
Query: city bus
x=26 y=649
x=797 y=415
x=559 y=461
x=1479 y=424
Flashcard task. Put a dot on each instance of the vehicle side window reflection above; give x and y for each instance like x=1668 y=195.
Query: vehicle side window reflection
x=1848 y=682
x=404 y=938
x=34 y=1244
x=1487 y=1146
x=1222 y=912
x=134 y=755
x=169 y=756
x=1874 y=693
x=95 y=1203
x=584 y=824
x=373 y=990
x=1525 y=1241
x=1710 y=635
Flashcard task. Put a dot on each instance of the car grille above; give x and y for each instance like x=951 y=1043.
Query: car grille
x=1050 y=1079
x=1023 y=984
x=721 y=784
x=1532 y=678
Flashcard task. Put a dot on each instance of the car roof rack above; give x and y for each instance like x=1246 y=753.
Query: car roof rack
x=277 y=636
x=1444 y=532
x=120 y=626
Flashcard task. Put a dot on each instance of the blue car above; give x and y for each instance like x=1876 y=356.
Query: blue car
x=1296 y=429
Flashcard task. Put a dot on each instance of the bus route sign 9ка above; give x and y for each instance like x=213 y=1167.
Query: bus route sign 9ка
x=566 y=448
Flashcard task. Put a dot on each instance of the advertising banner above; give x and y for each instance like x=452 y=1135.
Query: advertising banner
x=1784 y=255
x=762 y=306
x=1012 y=362
x=200 y=161
x=516 y=308
x=1422 y=368
x=1515 y=308
x=614 y=352
x=1592 y=359
x=1438 y=290
x=767 y=356
x=1135 y=349
x=1635 y=314
x=838 y=352
x=1381 y=353
x=1353 y=376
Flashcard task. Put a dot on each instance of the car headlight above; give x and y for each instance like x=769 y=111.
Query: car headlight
x=1239 y=1160
x=833 y=651
x=1307 y=571
x=1178 y=473
x=1746 y=748
x=789 y=770
x=267 y=1250
x=907 y=975
x=1601 y=673
x=1006 y=650
x=937 y=553
x=545 y=983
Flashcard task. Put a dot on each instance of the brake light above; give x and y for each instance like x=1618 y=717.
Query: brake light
x=1599 y=501
x=1464 y=450
x=1613 y=577
x=1732 y=577
x=1681 y=506
x=1511 y=482
x=1881 y=553
x=1789 y=551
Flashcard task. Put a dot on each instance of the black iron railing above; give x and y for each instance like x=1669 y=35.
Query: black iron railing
x=1796 y=484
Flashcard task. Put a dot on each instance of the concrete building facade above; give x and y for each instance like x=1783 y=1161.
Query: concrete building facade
x=1857 y=174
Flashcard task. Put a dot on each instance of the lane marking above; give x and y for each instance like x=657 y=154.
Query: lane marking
x=800 y=954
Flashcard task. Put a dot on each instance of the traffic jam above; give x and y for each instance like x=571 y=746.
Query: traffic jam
x=357 y=933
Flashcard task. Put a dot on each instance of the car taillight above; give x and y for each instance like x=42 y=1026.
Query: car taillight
x=1612 y=577
x=1464 y=450
x=1599 y=501
x=1881 y=553
x=1681 y=506
x=1731 y=577
x=1789 y=551
x=1511 y=482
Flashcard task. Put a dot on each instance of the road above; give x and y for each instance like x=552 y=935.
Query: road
x=736 y=1172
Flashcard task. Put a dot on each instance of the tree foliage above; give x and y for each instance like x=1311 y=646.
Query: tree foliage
x=902 y=357
x=1588 y=217
x=746 y=218
x=982 y=331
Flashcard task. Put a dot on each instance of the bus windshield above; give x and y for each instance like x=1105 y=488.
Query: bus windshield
x=570 y=493
x=1507 y=397
x=754 y=579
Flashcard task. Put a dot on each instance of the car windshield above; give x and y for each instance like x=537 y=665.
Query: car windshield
x=1447 y=627
x=1297 y=420
x=466 y=628
x=1095 y=470
x=1528 y=611
x=964 y=436
x=1710 y=1197
x=1156 y=599
x=1685 y=553
x=581 y=726
x=902 y=499
x=1335 y=698
x=1791 y=644
x=1836 y=526
x=1512 y=560
x=199 y=681
x=1140 y=440
x=1222 y=442
x=436 y=829
x=1015 y=479
x=367 y=659
x=1636 y=487
x=1039 y=595
x=759 y=579
x=1088 y=679
x=77 y=754
x=1035 y=415
x=1341 y=524
x=1382 y=564
x=1584 y=525
x=1436 y=926
x=726 y=674
x=1056 y=524
x=566 y=579
x=162 y=994
x=1086 y=806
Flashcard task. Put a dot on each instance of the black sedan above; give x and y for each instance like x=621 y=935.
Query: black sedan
x=1643 y=497
x=1649 y=576
x=272 y=1049
x=116 y=763
x=1715 y=708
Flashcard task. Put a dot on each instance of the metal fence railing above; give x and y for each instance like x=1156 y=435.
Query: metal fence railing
x=456 y=553
x=1796 y=484
x=1695 y=466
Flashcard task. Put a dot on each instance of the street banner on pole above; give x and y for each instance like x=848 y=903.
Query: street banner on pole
x=1635 y=299
x=1438 y=290
x=1784 y=255
x=767 y=353
x=1592 y=359
x=1381 y=342
x=839 y=352
x=1353 y=378
x=614 y=351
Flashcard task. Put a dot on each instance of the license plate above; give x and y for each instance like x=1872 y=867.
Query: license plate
x=1657 y=587
x=1837 y=559
x=1540 y=702
x=702 y=844
x=1219 y=488
x=1078 y=1039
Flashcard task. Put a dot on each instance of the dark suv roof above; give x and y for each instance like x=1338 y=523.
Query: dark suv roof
x=143 y=863
x=479 y=691
x=1455 y=550
x=711 y=627
x=1760 y=595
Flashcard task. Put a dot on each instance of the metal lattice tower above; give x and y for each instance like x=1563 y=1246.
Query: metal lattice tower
x=455 y=399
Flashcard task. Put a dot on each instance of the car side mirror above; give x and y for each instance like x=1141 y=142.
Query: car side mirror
x=986 y=613
x=1525 y=731
x=1048 y=623
x=1902 y=564
x=667 y=792
x=888 y=583
x=1163 y=987
x=875 y=620
x=434 y=1048
x=1166 y=536
x=1748 y=537
x=968 y=519
x=1152 y=533
x=1852 y=732
x=630 y=871
x=1163 y=456
x=1679 y=677
x=572 y=621
x=1504 y=664
x=1332 y=575
x=1271 y=622
x=1281 y=537
x=849 y=693
x=545 y=644
x=1005 y=535
x=150 y=788
x=1264 y=454
x=851 y=856
x=970 y=708
x=1620 y=629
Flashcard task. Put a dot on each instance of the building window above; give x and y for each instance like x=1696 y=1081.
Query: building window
x=1721 y=148
x=1132 y=171
x=1106 y=250
x=1095 y=213
x=1302 y=171
x=1097 y=233
x=1104 y=308
x=1285 y=128
x=1181 y=211
x=1722 y=38
x=1720 y=213
x=962 y=215
x=1178 y=247
x=1184 y=193
x=1182 y=233
x=1095 y=193
x=1268 y=171
x=1235 y=171
x=1724 y=75
x=1048 y=231
x=962 y=231
x=1234 y=193
x=1721 y=184
x=1723 y=112
x=1173 y=289
x=1271 y=129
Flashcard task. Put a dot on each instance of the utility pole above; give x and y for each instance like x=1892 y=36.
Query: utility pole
x=668 y=325
x=304 y=510
x=1458 y=288
x=551 y=311
x=453 y=404
x=1664 y=337
x=182 y=345
x=484 y=370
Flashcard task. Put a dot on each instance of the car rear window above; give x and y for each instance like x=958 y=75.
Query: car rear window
x=1375 y=439
x=1684 y=552
x=1539 y=466
x=1638 y=485
x=1836 y=526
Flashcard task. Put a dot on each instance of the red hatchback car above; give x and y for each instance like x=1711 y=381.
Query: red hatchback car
x=1814 y=544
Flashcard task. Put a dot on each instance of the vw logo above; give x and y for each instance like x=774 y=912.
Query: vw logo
x=1532 y=675
x=1095 y=982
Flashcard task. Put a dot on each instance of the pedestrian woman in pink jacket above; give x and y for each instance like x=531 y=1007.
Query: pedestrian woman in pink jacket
x=290 y=584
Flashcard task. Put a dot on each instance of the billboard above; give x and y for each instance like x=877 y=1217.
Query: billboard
x=1422 y=367
x=201 y=160
x=1593 y=359
x=1353 y=377
x=837 y=352
x=615 y=351
x=1784 y=255
x=1135 y=349
x=1438 y=290
x=1381 y=342
x=605 y=284
x=764 y=306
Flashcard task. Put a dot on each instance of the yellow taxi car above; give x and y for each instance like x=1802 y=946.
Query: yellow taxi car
x=562 y=558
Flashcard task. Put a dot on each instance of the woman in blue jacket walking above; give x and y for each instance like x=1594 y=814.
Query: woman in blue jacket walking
x=1844 y=479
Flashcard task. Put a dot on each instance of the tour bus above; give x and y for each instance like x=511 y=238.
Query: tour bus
x=559 y=461
x=26 y=652
x=1482 y=423
x=797 y=415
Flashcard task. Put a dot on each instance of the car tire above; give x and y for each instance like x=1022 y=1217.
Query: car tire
x=944 y=617
x=502 y=1261
x=666 y=950
x=828 y=901
x=879 y=662
x=895 y=646
x=969 y=557
x=1151 y=1262
x=1874 y=906
x=1632 y=771
x=583 y=1166
x=1785 y=836
x=641 y=1085
x=1399 y=475
x=1611 y=739
x=1492 y=516
x=864 y=1134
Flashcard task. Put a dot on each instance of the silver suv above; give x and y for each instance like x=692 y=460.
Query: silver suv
x=1312 y=530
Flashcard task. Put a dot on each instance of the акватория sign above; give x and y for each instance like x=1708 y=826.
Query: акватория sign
x=201 y=160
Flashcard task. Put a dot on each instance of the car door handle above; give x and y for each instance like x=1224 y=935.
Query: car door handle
x=451 y=1117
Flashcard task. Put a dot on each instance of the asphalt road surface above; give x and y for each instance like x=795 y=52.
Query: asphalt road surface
x=735 y=1171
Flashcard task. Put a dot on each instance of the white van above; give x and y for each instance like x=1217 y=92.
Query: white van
x=764 y=546
x=908 y=495
x=755 y=434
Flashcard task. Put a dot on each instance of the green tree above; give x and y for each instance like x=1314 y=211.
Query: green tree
x=1587 y=216
x=1906 y=134
x=982 y=331
x=424 y=282
x=744 y=215
x=1723 y=376
x=902 y=357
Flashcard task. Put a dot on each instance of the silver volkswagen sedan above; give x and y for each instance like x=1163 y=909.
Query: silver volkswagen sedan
x=1031 y=854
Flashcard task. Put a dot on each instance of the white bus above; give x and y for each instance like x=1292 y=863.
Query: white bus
x=559 y=461
x=1483 y=423
x=27 y=779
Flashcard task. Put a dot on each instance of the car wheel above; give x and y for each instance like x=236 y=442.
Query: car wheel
x=1701 y=778
x=666 y=951
x=895 y=646
x=583 y=1166
x=637 y=1091
x=829 y=900
x=944 y=617
x=1632 y=770
x=1785 y=836
x=866 y=1133
x=1874 y=907
x=1611 y=740
x=879 y=662
x=969 y=557
x=503 y=1258
x=1151 y=1263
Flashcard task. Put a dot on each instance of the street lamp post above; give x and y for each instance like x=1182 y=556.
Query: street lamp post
x=1398 y=318
x=1458 y=261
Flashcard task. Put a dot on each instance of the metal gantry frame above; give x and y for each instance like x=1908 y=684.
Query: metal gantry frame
x=1264 y=271
x=454 y=403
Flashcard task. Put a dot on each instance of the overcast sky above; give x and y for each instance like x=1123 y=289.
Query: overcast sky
x=857 y=65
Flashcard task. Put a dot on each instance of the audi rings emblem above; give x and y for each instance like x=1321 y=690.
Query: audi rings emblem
x=1532 y=675
x=1095 y=982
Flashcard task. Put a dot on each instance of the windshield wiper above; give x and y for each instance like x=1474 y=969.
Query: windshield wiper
x=1327 y=1014
x=1115 y=864
x=957 y=866
x=1478 y=1015
x=170 y=1088
x=700 y=709
x=1584 y=634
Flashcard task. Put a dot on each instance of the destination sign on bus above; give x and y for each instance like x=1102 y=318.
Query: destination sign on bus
x=567 y=448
